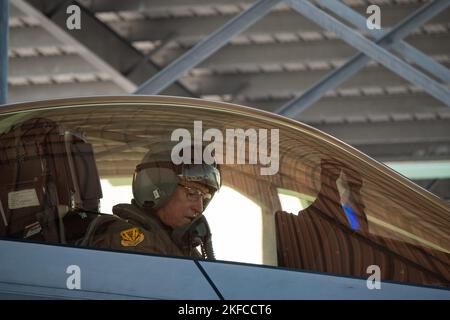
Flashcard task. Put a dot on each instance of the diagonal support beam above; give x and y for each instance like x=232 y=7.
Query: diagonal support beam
x=111 y=54
x=206 y=47
x=32 y=8
x=4 y=12
x=408 y=51
x=369 y=49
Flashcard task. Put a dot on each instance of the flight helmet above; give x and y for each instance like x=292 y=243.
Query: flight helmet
x=156 y=177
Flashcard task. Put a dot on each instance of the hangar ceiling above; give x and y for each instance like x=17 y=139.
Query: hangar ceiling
x=121 y=44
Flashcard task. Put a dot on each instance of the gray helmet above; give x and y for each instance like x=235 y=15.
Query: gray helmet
x=157 y=177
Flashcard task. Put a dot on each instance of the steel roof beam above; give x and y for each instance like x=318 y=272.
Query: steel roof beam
x=15 y=13
x=374 y=108
x=206 y=47
x=33 y=37
x=4 y=13
x=49 y=66
x=63 y=90
x=193 y=29
x=156 y=5
x=57 y=32
x=414 y=151
x=401 y=46
x=359 y=133
x=231 y=57
x=113 y=55
x=370 y=49
x=284 y=82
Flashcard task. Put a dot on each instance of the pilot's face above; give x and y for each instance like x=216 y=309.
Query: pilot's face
x=184 y=205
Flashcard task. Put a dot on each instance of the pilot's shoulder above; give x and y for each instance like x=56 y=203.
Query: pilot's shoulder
x=110 y=224
x=115 y=232
x=132 y=237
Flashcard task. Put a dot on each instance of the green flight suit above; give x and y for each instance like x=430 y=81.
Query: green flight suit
x=133 y=229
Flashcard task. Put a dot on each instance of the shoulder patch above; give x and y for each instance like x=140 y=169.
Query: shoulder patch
x=131 y=237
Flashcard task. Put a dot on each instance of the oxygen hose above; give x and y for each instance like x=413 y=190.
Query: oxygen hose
x=208 y=248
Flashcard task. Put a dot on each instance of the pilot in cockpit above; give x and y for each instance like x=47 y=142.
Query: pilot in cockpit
x=165 y=215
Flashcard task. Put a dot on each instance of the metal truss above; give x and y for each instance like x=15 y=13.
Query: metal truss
x=113 y=55
x=408 y=51
x=369 y=49
x=375 y=50
x=206 y=48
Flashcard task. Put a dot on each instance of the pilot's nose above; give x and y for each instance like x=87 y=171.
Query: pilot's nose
x=198 y=205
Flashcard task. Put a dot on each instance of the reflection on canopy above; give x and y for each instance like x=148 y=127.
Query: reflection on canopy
x=360 y=216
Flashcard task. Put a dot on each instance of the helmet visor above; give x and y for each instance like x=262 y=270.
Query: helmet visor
x=202 y=173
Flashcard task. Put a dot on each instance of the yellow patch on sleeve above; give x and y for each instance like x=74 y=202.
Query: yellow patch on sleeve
x=131 y=237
